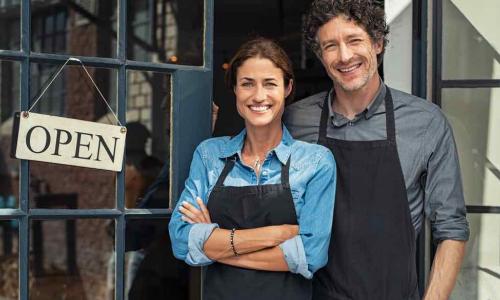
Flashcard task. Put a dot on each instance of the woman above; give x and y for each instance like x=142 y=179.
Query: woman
x=245 y=195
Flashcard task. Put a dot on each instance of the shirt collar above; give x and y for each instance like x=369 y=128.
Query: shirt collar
x=234 y=145
x=373 y=107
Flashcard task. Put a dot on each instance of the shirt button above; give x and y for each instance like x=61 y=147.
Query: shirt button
x=264 y=173
x=350 y=123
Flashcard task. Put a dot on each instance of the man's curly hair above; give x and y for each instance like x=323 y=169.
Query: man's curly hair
x=366 y=13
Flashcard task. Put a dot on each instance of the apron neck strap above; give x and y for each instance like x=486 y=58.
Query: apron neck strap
x=227 y=168
x=390 y=126
x=285 y=171
x=389 y=118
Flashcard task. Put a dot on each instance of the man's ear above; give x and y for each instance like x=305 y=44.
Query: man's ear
x=379 y=46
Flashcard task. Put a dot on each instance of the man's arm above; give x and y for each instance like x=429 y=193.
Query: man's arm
x=445 y=268
x=445 y=207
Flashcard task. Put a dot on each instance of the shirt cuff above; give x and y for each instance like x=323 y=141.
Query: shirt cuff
x=198 y=235
x=295 y=256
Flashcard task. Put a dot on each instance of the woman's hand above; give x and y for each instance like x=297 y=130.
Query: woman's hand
x=192 y=214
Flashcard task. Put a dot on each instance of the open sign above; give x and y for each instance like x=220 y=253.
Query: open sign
x=68 y=141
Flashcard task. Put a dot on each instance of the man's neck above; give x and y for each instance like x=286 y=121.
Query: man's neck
x=351 y=103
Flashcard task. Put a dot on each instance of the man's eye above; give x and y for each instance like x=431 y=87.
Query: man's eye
x=330 y=46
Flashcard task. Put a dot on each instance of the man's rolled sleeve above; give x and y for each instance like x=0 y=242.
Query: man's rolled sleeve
x=295 y=256
x=198 y=235
x=444 y=205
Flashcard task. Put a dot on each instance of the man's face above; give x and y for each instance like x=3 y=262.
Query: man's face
x=348 y=53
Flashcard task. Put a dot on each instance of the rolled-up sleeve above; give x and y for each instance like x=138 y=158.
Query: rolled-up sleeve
x=308 y=252
x=188 y=239
x=444 y=205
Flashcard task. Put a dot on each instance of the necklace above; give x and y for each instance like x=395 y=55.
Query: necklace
x=256 y=165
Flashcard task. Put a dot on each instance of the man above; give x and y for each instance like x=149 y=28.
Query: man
x=393 y=150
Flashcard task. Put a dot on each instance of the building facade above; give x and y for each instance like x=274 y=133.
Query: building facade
x=76 y=233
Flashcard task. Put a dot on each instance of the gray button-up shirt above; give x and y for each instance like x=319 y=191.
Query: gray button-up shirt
x=426 y=149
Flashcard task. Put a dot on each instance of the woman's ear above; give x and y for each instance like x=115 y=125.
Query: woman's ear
x=289 y=88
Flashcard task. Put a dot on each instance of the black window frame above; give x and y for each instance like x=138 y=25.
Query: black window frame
x=191 y=96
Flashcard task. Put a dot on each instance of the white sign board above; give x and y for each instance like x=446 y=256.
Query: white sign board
x=68 y=141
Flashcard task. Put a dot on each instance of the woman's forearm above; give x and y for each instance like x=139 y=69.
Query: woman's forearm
x=270 y=259
x=218 y=245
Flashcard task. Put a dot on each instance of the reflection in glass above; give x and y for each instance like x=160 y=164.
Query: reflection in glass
x=85 y=28
x=470 y=43
x=10 y=24
x=473 y=114
x=148 y=137
x=480 y=274
x=70 y=259
x=152 y=272
x=9 y=103
x=169 y=31
x=9 y=287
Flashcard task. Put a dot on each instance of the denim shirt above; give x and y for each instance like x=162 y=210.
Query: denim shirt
x=312 y=182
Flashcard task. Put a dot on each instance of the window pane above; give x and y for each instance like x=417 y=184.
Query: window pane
x=148 y=139
x=152 y=272
x=72 y=95
x=473 y=114
x=9 y=243
x=10 y=24
x=71 y=258
x=471 y=45
x=9 y=103
x=166 y=31
x=398 y=73
x=82 y=27
x=480 y=274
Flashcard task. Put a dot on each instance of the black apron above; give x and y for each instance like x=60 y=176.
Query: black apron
x=248 y=207
x=372 y=250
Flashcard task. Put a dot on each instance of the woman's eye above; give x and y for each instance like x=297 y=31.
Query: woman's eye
x=246 y=84
x=271 y=84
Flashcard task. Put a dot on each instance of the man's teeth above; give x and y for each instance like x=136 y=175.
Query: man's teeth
x=349 y=69
x=259 y=107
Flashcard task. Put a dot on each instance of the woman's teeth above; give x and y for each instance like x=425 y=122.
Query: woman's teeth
x=259 y=108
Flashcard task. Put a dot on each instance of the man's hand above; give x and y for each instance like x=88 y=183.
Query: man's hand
x=445 y=268
x=192 y=214
x=215 y=114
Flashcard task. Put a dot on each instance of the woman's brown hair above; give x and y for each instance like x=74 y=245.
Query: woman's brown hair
x=262 y=48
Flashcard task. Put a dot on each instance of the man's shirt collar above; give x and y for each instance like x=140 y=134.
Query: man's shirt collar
x=375 y=106
x=234 y=146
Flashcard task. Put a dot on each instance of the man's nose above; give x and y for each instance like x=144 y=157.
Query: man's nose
x=345 y=53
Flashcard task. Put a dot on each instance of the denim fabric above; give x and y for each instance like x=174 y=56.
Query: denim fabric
x=312 y=181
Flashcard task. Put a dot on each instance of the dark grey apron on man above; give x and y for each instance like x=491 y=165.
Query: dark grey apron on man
x=372 y=250
x=251 y=207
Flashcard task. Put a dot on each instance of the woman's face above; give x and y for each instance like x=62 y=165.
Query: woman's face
x=260 y=92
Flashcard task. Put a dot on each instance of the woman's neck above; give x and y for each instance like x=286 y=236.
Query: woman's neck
x=260 y=140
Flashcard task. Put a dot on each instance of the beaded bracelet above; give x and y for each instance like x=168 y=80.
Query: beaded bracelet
x=231 y=236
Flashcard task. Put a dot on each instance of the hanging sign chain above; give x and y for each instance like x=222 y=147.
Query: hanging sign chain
x=73 y=59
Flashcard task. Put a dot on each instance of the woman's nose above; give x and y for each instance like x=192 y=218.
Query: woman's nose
x=260 y=93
